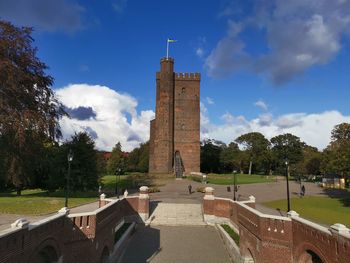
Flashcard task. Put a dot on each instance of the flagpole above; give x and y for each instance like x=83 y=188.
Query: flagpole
x=167 y=48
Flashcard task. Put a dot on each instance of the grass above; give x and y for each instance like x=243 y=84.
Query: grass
x=227 y=179
x=320 y=209
x=231 y=233
x=38 y=202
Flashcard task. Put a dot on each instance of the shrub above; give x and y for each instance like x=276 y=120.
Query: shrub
x=201 y=189
x=153 y=190
x=231 y=233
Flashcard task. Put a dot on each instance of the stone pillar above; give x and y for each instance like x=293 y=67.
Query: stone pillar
x=208 y=205
x=102 y=200
x=143 y=208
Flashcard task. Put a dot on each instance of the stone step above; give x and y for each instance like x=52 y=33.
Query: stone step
x=176 y=214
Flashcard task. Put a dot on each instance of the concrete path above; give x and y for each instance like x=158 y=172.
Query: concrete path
x=185 y=244
x=175 y=214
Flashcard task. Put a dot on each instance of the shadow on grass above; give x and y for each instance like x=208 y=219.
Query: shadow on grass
x=343 y=195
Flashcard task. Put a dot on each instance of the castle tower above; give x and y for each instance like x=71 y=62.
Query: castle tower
x=174 y=135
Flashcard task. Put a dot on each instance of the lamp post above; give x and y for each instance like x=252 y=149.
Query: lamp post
x=286 y=163
x=234 y=185
x=117 y=172
x=70 y=159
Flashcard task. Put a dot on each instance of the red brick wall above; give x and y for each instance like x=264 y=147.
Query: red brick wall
x=177 y=122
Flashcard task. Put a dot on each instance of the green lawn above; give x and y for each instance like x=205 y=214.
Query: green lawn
x=38 y=202
x=320 y=209
x=227 y=179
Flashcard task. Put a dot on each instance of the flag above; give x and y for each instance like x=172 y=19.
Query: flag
x=171 y=40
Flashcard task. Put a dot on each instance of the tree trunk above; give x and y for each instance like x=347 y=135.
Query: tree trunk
x=19 y=191
x=250 y=167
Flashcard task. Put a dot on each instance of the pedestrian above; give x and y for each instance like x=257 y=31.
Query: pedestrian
x=190 y=189
x=303 y=190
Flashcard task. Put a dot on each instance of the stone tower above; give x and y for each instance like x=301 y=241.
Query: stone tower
x=174 y=136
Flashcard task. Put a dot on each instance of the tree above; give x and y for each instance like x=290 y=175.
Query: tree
x=84 y=174
x=29 y=111
x=138 y=159
x=286 y=147
x=336 y=157
x=230 y=158
x=210 y=155
x=117 y=160
x=255 y=144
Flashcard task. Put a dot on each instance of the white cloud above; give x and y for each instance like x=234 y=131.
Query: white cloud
x=115 y=116
x=261 y=104
x=200 y=52
x=315 y=129
x=299 y=34
x=210 y=100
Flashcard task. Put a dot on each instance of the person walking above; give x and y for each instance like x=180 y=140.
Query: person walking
x=303 y=190
x=190 y=189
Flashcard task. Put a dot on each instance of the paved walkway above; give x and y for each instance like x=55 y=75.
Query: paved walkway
x=185 y=244
x=175 y=214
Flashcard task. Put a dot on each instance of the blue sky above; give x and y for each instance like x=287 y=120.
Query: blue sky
x=268 y=66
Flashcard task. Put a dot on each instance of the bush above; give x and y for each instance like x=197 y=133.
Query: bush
x=201 y=189
x=153 y=190
x=231 y=233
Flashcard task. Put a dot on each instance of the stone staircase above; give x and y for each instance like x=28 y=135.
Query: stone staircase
x=176 y=214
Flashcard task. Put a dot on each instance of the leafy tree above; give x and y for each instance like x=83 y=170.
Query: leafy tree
x=210 y=155
x=336 y=157
x=29 y=111
x=138 y=158
x=230 y=158
x=84 y=174
x=256 y=146
x=117 y=160
x=286 y=147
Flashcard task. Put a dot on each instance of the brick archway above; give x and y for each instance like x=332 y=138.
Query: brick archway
x=47 y=252
x=308 y=253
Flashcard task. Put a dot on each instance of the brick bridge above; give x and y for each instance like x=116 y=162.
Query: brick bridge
x=90 y=237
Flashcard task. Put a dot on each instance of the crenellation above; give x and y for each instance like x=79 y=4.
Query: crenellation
x=187 y=76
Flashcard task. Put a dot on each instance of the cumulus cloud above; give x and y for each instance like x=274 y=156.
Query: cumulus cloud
x=261 y=104
x=47 y=15
x=104 y=117
x=228 y=55
x=299 y=34
x=314 y=129
x=81 y=113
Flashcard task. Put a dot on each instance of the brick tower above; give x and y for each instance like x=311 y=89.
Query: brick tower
x=174 y=136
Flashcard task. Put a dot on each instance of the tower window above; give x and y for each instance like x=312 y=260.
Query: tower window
x=183 y=91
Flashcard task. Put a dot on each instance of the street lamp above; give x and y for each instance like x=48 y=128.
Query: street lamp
x=70 y=159
x=234 y=185
x=117 y=172
x=286 y=163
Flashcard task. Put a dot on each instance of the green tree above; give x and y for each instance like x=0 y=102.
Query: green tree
x=138 y=159
x=286 y=147
x=210 y=155
x=256 y=146
x=230 y=158
x=84 y=174
x=29 y=111
x=336 y=157
x=117 y=160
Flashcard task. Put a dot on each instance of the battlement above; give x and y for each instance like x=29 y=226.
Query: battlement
x=166 y=59
x=187 y=76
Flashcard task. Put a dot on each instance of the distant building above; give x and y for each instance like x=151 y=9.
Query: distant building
x=174 y=135
x=333 y=181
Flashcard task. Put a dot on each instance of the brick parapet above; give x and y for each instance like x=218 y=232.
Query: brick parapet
x=269 y=238
x=188 y=76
